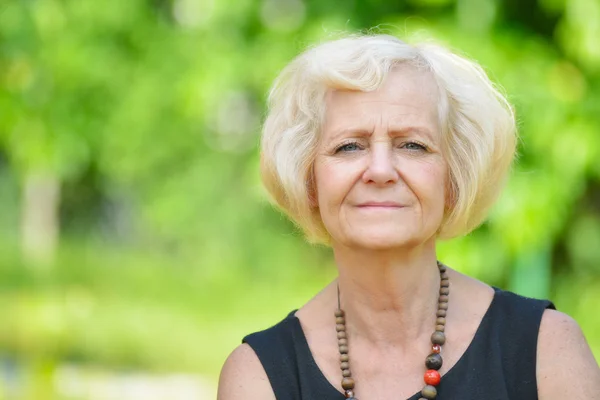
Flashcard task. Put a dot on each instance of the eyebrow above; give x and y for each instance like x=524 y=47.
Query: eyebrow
x=350 y=132
x=419 y=130
x=393 y=132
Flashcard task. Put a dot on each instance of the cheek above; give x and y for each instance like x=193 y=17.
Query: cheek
x=430 y=181
x=329 y=183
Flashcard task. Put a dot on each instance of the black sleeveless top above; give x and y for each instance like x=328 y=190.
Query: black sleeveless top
x=499 y=363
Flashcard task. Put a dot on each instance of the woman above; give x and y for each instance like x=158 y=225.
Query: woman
x=379 y=148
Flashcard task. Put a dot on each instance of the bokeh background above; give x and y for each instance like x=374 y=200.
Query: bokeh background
x=137 y=246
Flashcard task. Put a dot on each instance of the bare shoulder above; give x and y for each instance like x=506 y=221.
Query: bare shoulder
x=243 y=377
x=471 y=294
x=566 y=367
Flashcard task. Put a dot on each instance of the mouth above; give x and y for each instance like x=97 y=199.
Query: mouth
x=383 y=204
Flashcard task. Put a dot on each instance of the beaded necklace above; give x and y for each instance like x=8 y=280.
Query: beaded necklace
x=433 y=362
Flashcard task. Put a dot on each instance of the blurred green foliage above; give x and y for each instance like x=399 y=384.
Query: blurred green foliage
x=128 y=133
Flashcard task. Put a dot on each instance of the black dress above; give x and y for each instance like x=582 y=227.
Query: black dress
x=499 y=364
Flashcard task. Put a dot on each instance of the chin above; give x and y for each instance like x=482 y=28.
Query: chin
x=385 y=239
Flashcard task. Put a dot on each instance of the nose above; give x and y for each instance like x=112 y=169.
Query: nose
x=381 y=169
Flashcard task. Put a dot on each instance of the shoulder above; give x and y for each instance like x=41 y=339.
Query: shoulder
x=520 y=308
x=243 y=376
x=566 y=367
x=264 y=354
x=469 y=296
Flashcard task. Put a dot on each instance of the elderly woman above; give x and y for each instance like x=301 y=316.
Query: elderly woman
x=378 y=149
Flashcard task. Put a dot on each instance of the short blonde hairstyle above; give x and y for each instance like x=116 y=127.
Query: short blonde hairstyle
x=477 y=122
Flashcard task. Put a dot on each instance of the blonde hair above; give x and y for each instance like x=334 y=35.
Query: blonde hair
x=478 y=126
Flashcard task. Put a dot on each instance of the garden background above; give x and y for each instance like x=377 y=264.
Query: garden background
x=137 y=246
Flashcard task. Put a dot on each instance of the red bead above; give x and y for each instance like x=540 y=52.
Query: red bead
x=432 y=377
x=436 y=348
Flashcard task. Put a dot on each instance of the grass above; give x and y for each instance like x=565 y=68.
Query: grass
x=141 y=311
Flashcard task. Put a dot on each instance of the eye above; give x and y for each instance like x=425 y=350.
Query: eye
x=348 y=147
x=415 y=146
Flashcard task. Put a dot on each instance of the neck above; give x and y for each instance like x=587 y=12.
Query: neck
x=390 y=297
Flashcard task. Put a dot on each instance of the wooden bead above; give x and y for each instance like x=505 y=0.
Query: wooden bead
x=348 y=383
x=434 y=361
x=438 y=338
x=432 y=377
x=429 y=392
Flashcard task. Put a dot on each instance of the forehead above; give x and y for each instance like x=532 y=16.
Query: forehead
x=408 y=96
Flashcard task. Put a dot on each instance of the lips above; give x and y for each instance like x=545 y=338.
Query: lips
x=381 y=204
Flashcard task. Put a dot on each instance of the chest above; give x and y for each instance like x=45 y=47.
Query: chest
x=382 y=373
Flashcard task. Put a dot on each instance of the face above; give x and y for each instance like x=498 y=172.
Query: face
x=380 y=176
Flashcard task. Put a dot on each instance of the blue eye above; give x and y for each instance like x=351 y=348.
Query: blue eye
x=348 y=147
x=414 y=146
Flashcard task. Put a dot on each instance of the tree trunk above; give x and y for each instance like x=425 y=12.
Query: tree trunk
x=40 y=219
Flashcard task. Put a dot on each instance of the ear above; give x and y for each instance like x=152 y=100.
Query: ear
x=312 y=201
x=450 y=194
x=311 y=190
